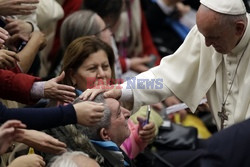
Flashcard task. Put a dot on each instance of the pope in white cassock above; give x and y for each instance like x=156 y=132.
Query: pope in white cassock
x=213 y=61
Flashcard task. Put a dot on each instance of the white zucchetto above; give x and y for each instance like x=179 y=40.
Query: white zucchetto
x=230 y=7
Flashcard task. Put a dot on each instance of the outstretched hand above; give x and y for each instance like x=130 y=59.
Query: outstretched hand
x=8 y=59
x=41 y=141
x=17 y=7
x=89 y=113
x=61 y=92
x=112 y=91
x=8 y=133
x=17 y=26
x=13 y=42
x=173 y=101
x=30 y=160
x=4 y=35
x=139 y=64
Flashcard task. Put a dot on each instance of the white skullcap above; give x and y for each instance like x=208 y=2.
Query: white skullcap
x=231 y=7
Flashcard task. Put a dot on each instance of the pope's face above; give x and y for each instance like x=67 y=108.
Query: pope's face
x=222 y=37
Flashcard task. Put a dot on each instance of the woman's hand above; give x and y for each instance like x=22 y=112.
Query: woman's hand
x=41 y=141
x=139 y=64
x=89 y=113
x=16 y=26
x=8 y=59
x=30 y=160
x=8 y=133
x=17 y=7
x=61 y=92
x=4 y=35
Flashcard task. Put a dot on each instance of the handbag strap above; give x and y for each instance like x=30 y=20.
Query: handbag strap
x=162 y=160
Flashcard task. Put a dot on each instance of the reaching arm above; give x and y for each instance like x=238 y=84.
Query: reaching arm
x=84 y=113
x=16 y=86
x=41 y=141
x=144 y=89
x=28 y=90
x=14 y=7
x=29 y=52
x=8 y=133
x=40 y=118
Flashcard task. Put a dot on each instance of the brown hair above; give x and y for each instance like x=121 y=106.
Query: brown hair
x=79 y=50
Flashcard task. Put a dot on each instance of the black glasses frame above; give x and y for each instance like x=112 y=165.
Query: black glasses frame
x=105 y=28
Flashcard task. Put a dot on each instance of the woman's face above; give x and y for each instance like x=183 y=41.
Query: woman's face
x=95 y=70
x=105 y=33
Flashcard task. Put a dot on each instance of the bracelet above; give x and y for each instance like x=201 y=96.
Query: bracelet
x=32 y=26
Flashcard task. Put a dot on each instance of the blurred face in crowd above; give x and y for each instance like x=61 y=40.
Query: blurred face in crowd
x=220 y=31
x=95 y=70
x=104 y=34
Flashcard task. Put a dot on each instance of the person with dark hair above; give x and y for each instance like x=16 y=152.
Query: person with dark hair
x=88 y=62
x=110 y=11
x=86 y=23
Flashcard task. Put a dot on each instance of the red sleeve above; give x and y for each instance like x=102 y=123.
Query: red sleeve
x=69 y=6
x=16 y=69
x=148 y=45
x=16 y=86
x=123 y=64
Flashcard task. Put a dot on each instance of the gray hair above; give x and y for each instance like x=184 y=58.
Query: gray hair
x=229 y=20
x=78 y=24
x=93 y=132
x=66 y=159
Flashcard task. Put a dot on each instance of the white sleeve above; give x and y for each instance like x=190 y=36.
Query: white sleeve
x=144 y=89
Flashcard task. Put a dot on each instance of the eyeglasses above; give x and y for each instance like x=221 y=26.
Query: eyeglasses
x=104 y=29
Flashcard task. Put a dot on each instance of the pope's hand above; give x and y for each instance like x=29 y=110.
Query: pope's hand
x=112 y=91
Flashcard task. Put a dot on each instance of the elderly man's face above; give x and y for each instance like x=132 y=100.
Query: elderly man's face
x=223 y=37
x=118 y=130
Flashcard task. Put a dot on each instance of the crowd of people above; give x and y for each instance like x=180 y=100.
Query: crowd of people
x=86 y=83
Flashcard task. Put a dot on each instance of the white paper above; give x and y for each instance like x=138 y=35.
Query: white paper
x=181 y=106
